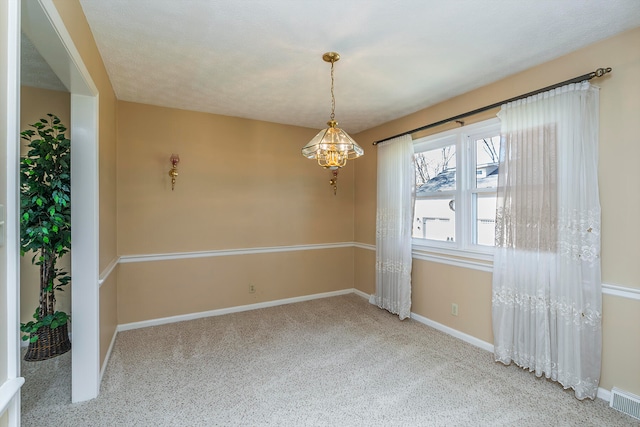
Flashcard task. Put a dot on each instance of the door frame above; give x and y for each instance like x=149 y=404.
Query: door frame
x=46 y=30
x=10 y=380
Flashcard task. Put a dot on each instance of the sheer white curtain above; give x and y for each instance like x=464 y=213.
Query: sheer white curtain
x=394 y=215
x=547 y=301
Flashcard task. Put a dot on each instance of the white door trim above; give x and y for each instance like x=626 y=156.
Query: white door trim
x=85 y=307
x=44 y=26
x=10 y=250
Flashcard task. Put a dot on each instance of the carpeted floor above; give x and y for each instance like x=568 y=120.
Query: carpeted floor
x=330 y=362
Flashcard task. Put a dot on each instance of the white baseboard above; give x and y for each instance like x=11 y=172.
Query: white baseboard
x=454 y=332
x=192 y=316
x=439 y=326
x=361 y=294
x=602 y=393
x=220 y=312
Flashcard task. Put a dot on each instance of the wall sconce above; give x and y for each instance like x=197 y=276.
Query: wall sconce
x=173 y=173
x=334 y=181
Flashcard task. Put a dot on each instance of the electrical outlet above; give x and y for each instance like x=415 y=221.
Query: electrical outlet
x=454 y=309
x=252 y=288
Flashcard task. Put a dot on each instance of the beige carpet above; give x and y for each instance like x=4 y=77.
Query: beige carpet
x=331 y=362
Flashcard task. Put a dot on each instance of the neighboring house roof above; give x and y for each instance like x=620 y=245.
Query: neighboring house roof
x=446 y=180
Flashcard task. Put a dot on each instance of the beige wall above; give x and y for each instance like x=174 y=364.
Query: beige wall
x=76 y=23
x=35 y=104
x=242 y=184
x=470 y=289
x=151 y=290
x=77 y=26
x=436 y=286
x=109 y=316
x=364 y=270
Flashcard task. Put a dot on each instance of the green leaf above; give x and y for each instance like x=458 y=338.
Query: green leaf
x=33 y=338
x=39 y=201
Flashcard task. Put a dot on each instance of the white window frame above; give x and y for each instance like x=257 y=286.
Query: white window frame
x=464 y=138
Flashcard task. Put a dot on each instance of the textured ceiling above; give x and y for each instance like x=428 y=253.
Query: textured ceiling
x=34 y=71
x=262 y=59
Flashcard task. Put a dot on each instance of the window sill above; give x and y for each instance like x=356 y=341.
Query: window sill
x=457 y=257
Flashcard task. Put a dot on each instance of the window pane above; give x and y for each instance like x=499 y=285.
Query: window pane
x=485 y=219
x=435 y=219
x=436 y=170
x=487 y=150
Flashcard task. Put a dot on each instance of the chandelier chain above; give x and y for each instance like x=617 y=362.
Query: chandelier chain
x=333 y=98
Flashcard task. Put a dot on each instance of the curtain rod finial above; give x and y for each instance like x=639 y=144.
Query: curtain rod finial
x=601 y=72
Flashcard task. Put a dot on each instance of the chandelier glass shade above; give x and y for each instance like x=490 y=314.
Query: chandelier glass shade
x=332 y=147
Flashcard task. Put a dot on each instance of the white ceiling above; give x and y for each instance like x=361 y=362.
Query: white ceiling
x=34 y=71
x=263 y=59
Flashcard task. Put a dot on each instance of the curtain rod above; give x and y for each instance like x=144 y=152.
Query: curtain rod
x=598 y=73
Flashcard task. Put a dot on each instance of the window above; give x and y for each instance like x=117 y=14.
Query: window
x=456 y=181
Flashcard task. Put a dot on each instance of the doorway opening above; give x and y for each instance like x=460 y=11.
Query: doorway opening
x=44 y=27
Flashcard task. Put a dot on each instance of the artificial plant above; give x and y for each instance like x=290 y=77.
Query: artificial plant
x=45 y=221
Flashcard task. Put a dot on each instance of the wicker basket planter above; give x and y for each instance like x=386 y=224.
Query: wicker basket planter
x=50 y=343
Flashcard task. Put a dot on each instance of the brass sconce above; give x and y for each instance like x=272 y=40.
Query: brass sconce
x=173 y=173
x=334 y=181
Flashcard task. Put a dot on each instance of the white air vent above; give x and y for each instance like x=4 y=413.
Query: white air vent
x=625 y=402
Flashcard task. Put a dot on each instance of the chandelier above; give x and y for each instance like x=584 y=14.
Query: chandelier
x=332 y=147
